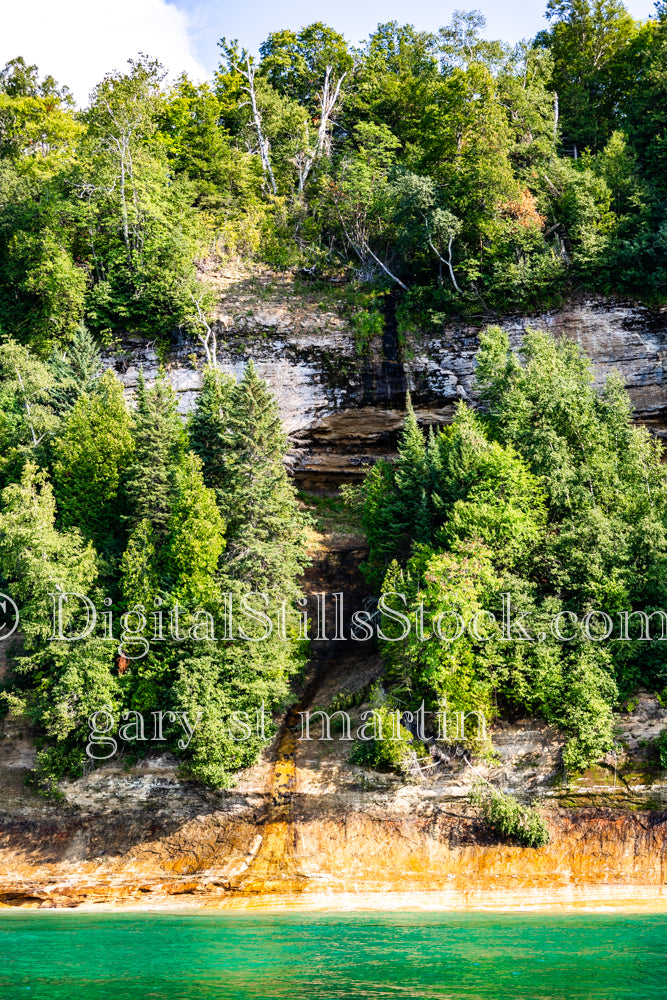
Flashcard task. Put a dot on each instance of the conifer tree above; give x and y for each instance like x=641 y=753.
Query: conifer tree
x=178 y=533
x=411 y=513
x=209 y=428
x=196 y=536
x=265 y=533
x=75 y=370
x=90 y=459
x=395 y=500
x=160 y=444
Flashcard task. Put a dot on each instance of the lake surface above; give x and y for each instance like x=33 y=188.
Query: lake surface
x=302 y=955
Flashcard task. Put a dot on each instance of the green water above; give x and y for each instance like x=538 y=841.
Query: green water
x=150 y=956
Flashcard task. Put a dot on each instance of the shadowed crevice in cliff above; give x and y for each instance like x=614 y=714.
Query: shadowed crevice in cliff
x=384 y=379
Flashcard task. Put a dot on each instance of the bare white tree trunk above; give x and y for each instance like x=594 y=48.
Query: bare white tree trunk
x=208 y=340
x=329 y=99
x=448 y=262
x=121 y=141
x=249 y=74
x=556 y=110
x=367 y=250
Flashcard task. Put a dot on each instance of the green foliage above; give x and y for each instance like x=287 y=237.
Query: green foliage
x=466 y=176
x=130 y=500
x=392 y=747
x=393 y=501
x=177 y=530
x=661 y=747
x=35 y=558
x=27 y=412
x=366 y=326
x=453 y=671
x=75 y=370
x=160 y=444
x=265 y=528
x=469 y=176
x=196 y=536
x=507 y=816
x=39 y=266
x=91 y=455
x=590 y=43
x=551 y=503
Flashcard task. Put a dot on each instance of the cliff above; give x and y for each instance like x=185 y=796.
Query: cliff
x=342 y=401
x=305 y=826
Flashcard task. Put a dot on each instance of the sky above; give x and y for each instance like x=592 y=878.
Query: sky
x=78 y=41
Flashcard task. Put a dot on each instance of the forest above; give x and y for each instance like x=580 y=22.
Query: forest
x=463 y=177
x=470 y=176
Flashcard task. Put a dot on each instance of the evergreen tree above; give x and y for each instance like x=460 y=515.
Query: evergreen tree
x=178 y=533
x=196 y=536
x=91 y=456
x=412 y=513
x=160 y=444
x=552 y=500
x=395 y=503
x=265 y=528
x=210 y=427
x=75 y=370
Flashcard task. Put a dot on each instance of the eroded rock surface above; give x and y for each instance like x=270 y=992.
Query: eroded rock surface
x=343 y=405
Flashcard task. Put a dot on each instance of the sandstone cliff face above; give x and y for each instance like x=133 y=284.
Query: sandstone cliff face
x=305 y=826
x=343 y=407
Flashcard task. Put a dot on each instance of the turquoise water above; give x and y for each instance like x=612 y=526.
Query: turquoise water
x=299 y=955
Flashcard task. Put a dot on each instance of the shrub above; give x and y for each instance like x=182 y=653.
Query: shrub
x=505 y=814
x=661 y=749
x=366 y=324
x=390 y=751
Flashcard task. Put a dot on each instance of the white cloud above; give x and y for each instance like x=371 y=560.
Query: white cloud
x=78 y=41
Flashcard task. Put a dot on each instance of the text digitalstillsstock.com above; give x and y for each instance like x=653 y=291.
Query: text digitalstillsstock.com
x=255 y=617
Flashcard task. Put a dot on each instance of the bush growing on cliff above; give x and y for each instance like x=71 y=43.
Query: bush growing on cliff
x=505 y=814
x=393 y=746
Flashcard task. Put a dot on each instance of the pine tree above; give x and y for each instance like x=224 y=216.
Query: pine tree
x=91 y=456
x=209 y=429
x=178 y=533
x=76 y=370
x=265 y=528
x=196 y=536
x=160 y=443
x=395 y=501
x=411 y=506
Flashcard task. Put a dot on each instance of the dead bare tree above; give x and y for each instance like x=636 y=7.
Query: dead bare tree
x=208 y=340
x=362 y=249
x=449 y=227
x=328 y=100
x=248 y=74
